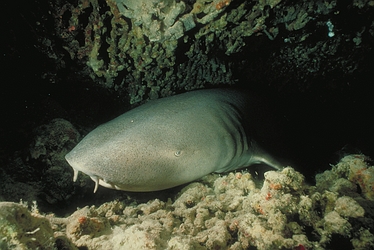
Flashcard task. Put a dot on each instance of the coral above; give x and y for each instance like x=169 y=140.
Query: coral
x=348 y=207
x=151 y=49
x=230 y=212
x=53 y=140
x=352 y=170
x=157 y=19
x=42 y=175
x=21 y=229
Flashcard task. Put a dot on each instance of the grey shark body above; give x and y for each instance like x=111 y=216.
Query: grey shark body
x=171 y=141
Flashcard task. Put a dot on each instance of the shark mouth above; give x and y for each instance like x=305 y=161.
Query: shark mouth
x=98 y=181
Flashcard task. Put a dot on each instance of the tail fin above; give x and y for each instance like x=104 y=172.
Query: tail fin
x=260 y=156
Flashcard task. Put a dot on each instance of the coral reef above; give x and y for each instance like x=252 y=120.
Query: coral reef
x=233 y=211
x=150 y=49
x=350 y=172
x=22 y=229
x=53 y=140
x=133 y=45
x=42 y=173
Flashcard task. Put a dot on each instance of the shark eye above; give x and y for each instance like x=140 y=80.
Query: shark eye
x=177 y=153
